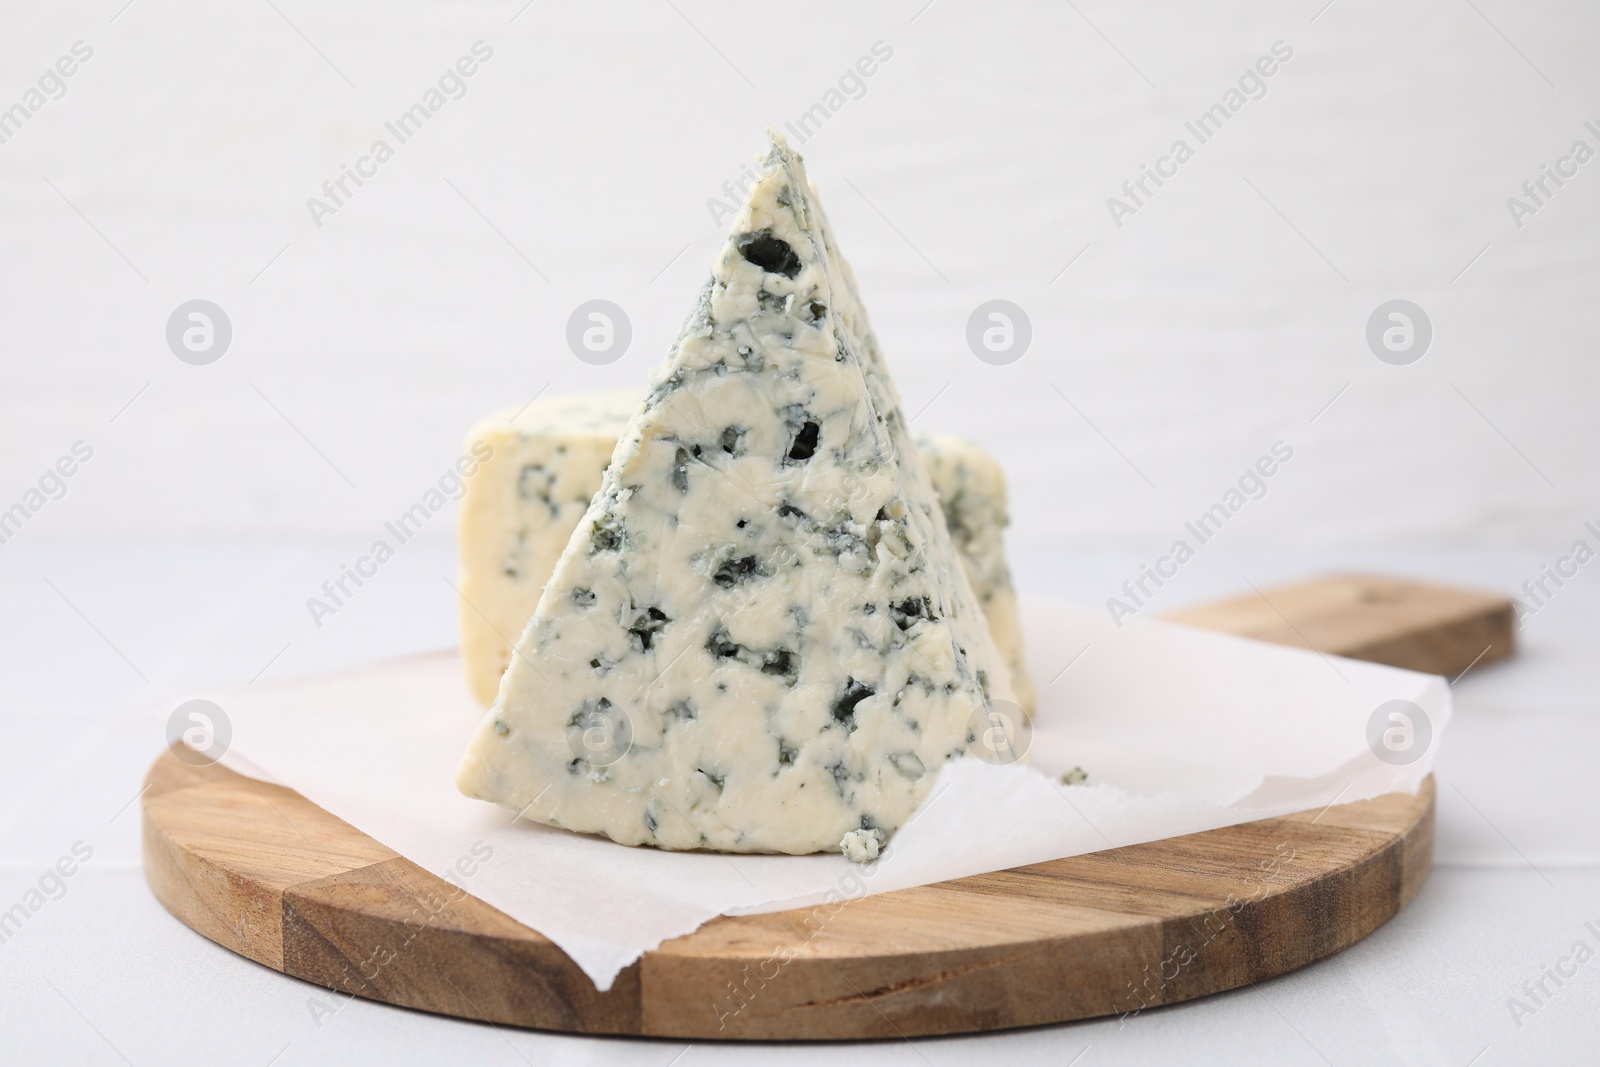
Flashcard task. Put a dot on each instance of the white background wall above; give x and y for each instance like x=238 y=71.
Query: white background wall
x=1221 y=317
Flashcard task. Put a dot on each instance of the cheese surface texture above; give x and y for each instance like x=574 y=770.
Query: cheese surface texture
x=518 y=513
x=546 y=462
x=972 y=493
x=759 y=637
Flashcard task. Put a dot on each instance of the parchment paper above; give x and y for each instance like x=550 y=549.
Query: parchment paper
x=1181 y=730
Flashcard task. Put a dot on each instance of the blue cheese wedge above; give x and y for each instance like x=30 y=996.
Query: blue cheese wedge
x=972 y=494
x=518 y=513
x=760 y=637
x=545 y=465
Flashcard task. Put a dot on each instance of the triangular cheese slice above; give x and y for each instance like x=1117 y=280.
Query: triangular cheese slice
x=760 y=637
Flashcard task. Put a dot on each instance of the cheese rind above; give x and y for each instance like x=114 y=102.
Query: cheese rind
x=546 y=464
x=759 y=637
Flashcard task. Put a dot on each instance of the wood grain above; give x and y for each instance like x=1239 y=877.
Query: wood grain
x=261 y=870
x=1421 y=627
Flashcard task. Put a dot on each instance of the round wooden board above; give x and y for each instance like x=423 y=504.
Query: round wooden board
x=263 y=871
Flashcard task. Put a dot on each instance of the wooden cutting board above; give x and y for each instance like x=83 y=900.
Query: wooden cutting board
x=262 y=871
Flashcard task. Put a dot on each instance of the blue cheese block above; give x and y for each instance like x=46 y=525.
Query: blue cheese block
x=760 y=637
x=545 y=462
